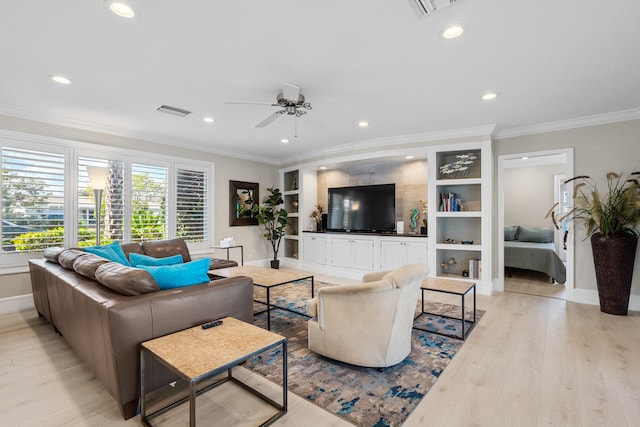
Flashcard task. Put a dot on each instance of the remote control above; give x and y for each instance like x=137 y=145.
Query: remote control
x=212 y=324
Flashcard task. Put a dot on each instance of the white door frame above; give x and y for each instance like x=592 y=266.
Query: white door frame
x=534 y=158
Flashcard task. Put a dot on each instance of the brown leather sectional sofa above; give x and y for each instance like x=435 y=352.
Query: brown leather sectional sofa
x=105 y=327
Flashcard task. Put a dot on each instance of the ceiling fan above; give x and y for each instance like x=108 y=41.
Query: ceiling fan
x=289 y=99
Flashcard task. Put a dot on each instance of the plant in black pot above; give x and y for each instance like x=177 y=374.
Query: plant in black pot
x=273 y=216
x=611 y=219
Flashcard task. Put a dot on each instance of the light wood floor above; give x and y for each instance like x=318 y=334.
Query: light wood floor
x=531 y=361
x=533 y=283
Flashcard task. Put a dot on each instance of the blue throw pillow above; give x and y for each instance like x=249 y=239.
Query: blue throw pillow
x=112 y=252
x=139 y=259
x=179 y=275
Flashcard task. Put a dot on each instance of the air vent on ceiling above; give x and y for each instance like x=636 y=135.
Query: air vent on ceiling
x=427 y=7
x=173 y=110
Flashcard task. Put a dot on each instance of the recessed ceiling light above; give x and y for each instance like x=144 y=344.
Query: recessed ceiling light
x=284 y=141
x=489 y=96
x=525 y=158
x=322 y=168
x=122 y=9
x=363 y=124
x=452 y=32
x=408 y=157
x=209 y=119
x=60 y=79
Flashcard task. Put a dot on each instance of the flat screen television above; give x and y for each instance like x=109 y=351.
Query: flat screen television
x=363 y=208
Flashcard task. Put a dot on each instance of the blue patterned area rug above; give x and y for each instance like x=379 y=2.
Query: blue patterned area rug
x=362 y=396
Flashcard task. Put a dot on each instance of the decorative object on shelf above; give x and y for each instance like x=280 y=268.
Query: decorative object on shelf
x=425 y=211
x=273 y=216
x=467 y=242
x=242 y=197
x=445 y=265
x=450 y=241
x=295 y=204
x=316 y=216
x=414 y=219
x=294 y=183
x=611 y=220
x=460 y=167
x=449 y=202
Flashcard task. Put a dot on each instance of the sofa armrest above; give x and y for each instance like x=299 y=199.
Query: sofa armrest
x=129 y=321
x=374 y=276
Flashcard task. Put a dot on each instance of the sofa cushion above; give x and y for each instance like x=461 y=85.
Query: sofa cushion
x=165 y=248
x=125 y=280
x=67 y=257
x=139 y=259
x=535 y=235
x=511 y=233
x=179 y=275
x=51 y=254
x=112 y=252
x=86 y=265
x=131 y=248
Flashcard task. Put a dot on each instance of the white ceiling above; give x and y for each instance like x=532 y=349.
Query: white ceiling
x=373 y=60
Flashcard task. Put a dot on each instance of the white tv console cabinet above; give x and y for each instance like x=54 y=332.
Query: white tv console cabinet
x=354 y=254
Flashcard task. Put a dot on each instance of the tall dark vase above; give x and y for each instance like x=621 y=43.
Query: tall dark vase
x=275 y=264
x=614 y=258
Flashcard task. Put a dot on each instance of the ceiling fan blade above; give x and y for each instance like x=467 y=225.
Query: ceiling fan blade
x=250 y=103
x=266 y=122
x=290 y=92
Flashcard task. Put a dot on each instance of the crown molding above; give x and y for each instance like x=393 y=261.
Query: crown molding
x=598 y=119
x=22 y=113
x=484 y=132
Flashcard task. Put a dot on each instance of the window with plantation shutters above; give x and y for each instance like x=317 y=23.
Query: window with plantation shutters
x=113 y=203
x=33 y=198
x=192 y=205
x=47 y=199
x=148 y=202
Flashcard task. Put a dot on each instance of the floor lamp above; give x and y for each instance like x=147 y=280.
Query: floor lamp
x=98 y=182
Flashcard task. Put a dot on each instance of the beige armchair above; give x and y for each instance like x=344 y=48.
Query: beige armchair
x=367 y=324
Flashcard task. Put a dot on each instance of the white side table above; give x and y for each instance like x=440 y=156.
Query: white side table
x=232 y=247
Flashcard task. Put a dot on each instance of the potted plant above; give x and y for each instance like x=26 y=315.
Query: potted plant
x=611 y=220
x=273 y=216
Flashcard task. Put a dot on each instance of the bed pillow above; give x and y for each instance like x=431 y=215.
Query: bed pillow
x=179 y=275
x=112 y=252
x=139 y=259
x=511 y=233
x=535 y=235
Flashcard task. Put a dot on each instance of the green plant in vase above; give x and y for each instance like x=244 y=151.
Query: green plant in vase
x=611 y=220
x=273 y=216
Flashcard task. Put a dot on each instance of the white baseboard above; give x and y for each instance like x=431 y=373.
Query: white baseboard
x=15 y=304
x=589 y=296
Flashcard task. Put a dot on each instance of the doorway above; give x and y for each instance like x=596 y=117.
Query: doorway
x=520 y=202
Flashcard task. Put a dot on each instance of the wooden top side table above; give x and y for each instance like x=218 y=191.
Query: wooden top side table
x=198 y=354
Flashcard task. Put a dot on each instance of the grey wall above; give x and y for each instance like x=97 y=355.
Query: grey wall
x=597 y=150
x=226 y=168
